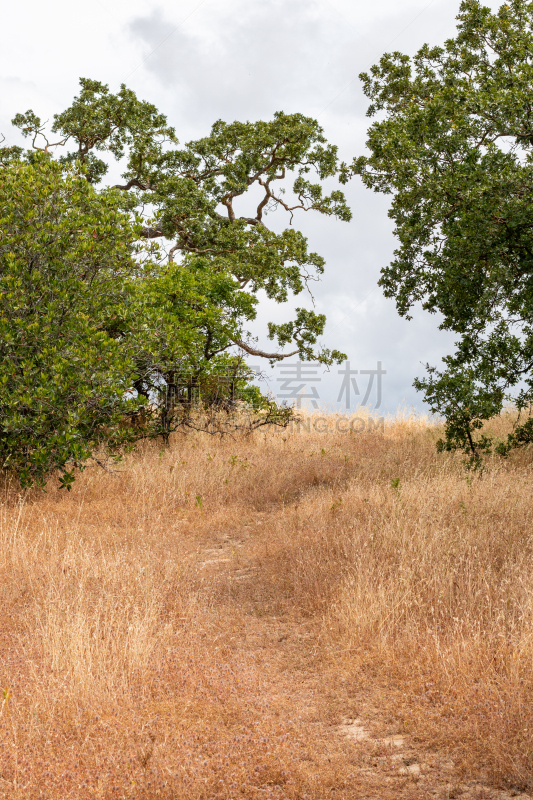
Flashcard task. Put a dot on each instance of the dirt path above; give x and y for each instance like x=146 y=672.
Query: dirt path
x=353 y=749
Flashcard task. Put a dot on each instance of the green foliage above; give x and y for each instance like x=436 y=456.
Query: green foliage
x=108 y=293
x=453 y=147
x=192 y=193
x=65 y=262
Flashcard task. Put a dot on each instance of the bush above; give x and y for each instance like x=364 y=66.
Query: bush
x=65 y=370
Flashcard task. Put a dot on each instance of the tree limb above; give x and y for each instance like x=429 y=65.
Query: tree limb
x=253 y=352
x=133 y=182
x=151 y=233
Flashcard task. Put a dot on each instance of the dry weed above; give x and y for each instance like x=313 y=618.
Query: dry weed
x=122 y=668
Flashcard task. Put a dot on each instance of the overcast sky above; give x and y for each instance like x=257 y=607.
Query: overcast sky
x=245 y=59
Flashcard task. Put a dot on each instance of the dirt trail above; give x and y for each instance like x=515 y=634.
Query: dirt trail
x=354 y=750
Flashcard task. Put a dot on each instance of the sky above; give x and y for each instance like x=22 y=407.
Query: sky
x=199 y=61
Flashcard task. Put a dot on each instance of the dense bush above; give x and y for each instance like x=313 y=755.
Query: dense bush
x=65 y=265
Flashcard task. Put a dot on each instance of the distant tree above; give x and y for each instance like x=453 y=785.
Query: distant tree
x=454 y=148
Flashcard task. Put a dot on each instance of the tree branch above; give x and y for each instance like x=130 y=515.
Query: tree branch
x=253 y=352
x=171 y=253
x=151 y=233
x=252 y=221
x=134 y=182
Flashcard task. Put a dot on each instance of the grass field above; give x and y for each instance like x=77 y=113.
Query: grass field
x=292 y=614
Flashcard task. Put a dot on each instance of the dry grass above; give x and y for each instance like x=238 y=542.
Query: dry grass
x=197 y=625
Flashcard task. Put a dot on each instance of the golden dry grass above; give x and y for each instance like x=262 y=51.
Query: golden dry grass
x=200 y=624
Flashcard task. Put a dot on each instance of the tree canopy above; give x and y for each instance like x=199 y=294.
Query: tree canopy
x=192 y=194
x=453 y=146
x=107 y=290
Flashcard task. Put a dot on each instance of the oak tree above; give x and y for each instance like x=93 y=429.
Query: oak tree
x=453 y=146
x=106 y=290
x=200 y=196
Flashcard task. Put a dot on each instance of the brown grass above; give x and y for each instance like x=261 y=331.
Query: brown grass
x=200 y=624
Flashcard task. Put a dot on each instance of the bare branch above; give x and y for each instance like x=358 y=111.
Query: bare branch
x=253 y=352
x=151 y=233
x=134 y=182
x=171 y=253
x=252 y=221
x=103 y=466
x=44 y=149
x=268 y=194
